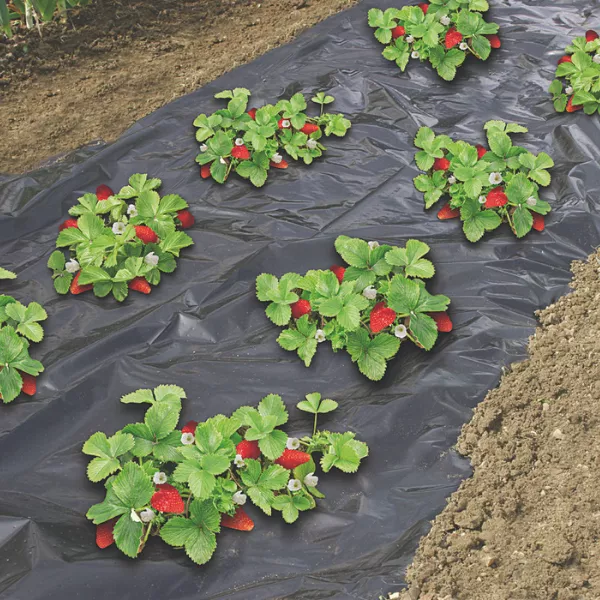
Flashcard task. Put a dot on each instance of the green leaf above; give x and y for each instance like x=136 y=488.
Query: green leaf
x=161 y=419
x=446 y=62
x=5 y=274
x=133 y=486
x=522 y=221
x=273 y=444
x=128 y=534
x=371 y=354
x=272 y=405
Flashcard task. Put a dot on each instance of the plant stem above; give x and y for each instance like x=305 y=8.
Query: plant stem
x=315 y=425
x=28 y=14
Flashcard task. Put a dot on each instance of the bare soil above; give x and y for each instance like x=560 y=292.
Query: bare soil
x=526 y=525
x=116 y=61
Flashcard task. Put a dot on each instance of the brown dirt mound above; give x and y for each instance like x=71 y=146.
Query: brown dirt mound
x=117 y=61
x=526 y=525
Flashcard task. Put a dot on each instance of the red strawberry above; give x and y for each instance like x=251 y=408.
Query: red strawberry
x=240 y=521
x=447 y=212
x=252 y=113
x=381 y=317
x=494 y=41
x=103 y=192
x=441 y=164
x=398 y=32
x=186 y=218
x=284 y=124
x=339 y=272
x=591 y=35
x=146 y=234
x=248 y=449
x=189 y=427
x=205 y=171
x=309 y=128
x=167 y=499
x=282 y=164
x=565 y=59
x=29 y=386
x=79 y=289
x=301 y=308
x=290 y=459
x=453 y=38
x=240 y=152
x=104 y=534
x=139 y=284
x=442 y=320
x=496 y=198
x=573 y=107
x=481 y=151
x=538 y=222
x=424 y=7
x=68 y=224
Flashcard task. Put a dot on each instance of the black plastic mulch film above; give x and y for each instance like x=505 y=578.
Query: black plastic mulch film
x=204 y=329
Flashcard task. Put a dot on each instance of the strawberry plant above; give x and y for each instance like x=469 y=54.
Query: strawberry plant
x=578 y=76
x=120 y=242
x=19 y=325
x=367 y=308
x=32 y=12
x=250 y=142
x=486 y=187
x=184 y=485
x=444 y=32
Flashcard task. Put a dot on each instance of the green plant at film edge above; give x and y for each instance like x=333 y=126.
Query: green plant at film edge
x=19 y=325
x=30 y=13
x=445 y=33
x=486 y=187
x=104 y=247
x=183 y=485
x=577 y=83
x=368 y=308
x=251 y=142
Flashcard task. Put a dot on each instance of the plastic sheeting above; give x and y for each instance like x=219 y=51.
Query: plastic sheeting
x=203 y=329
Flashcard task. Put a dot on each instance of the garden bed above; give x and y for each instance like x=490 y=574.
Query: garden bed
x=525 y=526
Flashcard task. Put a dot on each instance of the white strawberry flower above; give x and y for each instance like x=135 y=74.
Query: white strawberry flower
x=481 y=199
x=203 y=148
x=187 y=439
x=285 y=124
x=151 y=259
x=239 y=142
x=463 y=46
x=238 y=461
x=118 y=228
x=597 y=59
x=569 y=91
x=409 y=39
x=276 y=158
x=311 y=480
x=370 y=293
x=373 y=245
x=72 y=266
x=400 y=331
x=222 y=161
x=134 y=516
x=531 y=201
x=451 y=180
x=239 y=498
x=294 y=485
x=495 y=178
x=445 y=20
x=159 y=478
x=292 y=443
x=311 y=144
x=320 y=336
x=147 y=515
x=415 y=54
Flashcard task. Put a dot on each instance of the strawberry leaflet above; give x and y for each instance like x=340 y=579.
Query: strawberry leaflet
x=380 y=301
x=486 y=187
x=577 y=83
x=445 y=34
x=185 y=486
